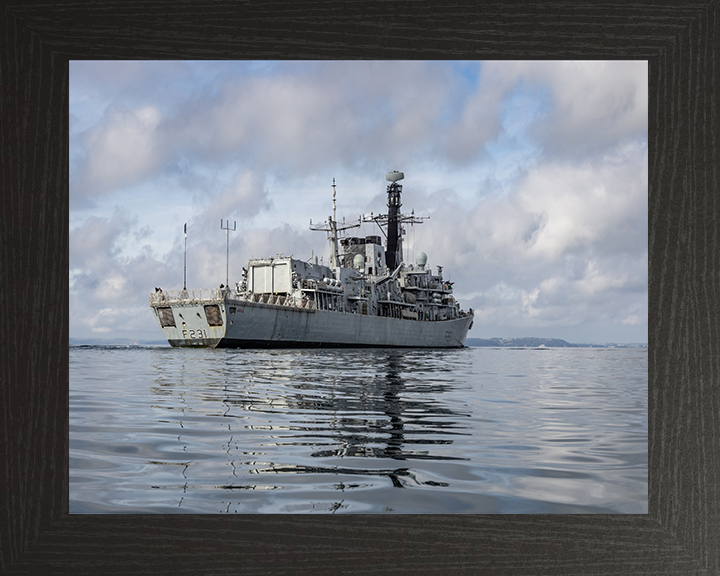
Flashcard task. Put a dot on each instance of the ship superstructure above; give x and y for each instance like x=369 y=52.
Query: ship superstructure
x=365 y=296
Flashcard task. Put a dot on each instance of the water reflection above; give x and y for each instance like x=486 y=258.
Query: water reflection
x=283 y=409
x=371 y=407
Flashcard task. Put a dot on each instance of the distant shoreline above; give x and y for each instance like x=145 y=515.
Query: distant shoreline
x=116 y=342
x=531 y=342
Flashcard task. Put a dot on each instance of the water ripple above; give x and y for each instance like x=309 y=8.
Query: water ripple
x=474 y=430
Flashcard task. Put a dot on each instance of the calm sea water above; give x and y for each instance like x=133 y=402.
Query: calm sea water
x=472 y=430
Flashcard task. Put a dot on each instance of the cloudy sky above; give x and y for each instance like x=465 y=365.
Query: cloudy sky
x=533 y=175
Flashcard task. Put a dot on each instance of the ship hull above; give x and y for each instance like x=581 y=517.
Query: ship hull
x=247 y=324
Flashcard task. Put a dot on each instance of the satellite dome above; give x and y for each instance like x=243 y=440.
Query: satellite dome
x=421 y=259
x=359 y=261
x=394 y=176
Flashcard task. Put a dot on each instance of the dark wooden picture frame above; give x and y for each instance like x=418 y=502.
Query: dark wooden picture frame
x=681 y=532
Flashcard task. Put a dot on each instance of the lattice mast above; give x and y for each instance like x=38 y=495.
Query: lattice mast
x=332 y=228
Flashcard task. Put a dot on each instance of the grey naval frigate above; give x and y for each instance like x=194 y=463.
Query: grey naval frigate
x=367 y=296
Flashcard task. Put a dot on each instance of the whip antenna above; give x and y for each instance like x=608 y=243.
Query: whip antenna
x=227 y=234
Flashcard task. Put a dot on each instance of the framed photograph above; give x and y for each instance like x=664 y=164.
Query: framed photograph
x=672 y=532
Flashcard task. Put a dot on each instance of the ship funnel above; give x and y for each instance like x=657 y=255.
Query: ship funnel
x=394 y=176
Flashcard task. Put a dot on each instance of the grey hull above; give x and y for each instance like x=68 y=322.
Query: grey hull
x=256 y=325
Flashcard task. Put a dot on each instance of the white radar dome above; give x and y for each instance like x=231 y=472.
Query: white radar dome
x=394 y=176
x=421 y=259
x=359 y=261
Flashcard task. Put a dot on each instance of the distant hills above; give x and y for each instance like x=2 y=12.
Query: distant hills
x=116 y=342
x=520 y=342
x=546 y=342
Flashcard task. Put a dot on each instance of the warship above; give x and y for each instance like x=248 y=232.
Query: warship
x=366 y=297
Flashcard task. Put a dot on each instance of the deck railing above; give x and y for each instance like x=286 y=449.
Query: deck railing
x=175 y=296
x=168 y=297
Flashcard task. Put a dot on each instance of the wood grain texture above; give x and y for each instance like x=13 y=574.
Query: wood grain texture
x=680 y=535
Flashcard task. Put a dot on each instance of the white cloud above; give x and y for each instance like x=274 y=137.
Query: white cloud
x=121 y=151
x=243 y=197
x=595 y=105
x=583 y=204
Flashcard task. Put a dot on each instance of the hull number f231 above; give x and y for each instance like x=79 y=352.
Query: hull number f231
x=194 y=334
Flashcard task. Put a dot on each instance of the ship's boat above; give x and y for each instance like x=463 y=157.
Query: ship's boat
x=366 y=296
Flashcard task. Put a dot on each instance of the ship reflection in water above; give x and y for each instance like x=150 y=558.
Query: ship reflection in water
x=341 y=420
x=365 y=409
x=382 y=418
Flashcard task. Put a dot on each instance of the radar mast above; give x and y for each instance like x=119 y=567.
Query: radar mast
x=394 y=220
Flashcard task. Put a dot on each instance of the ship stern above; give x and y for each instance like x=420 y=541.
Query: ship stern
x=189 y=320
